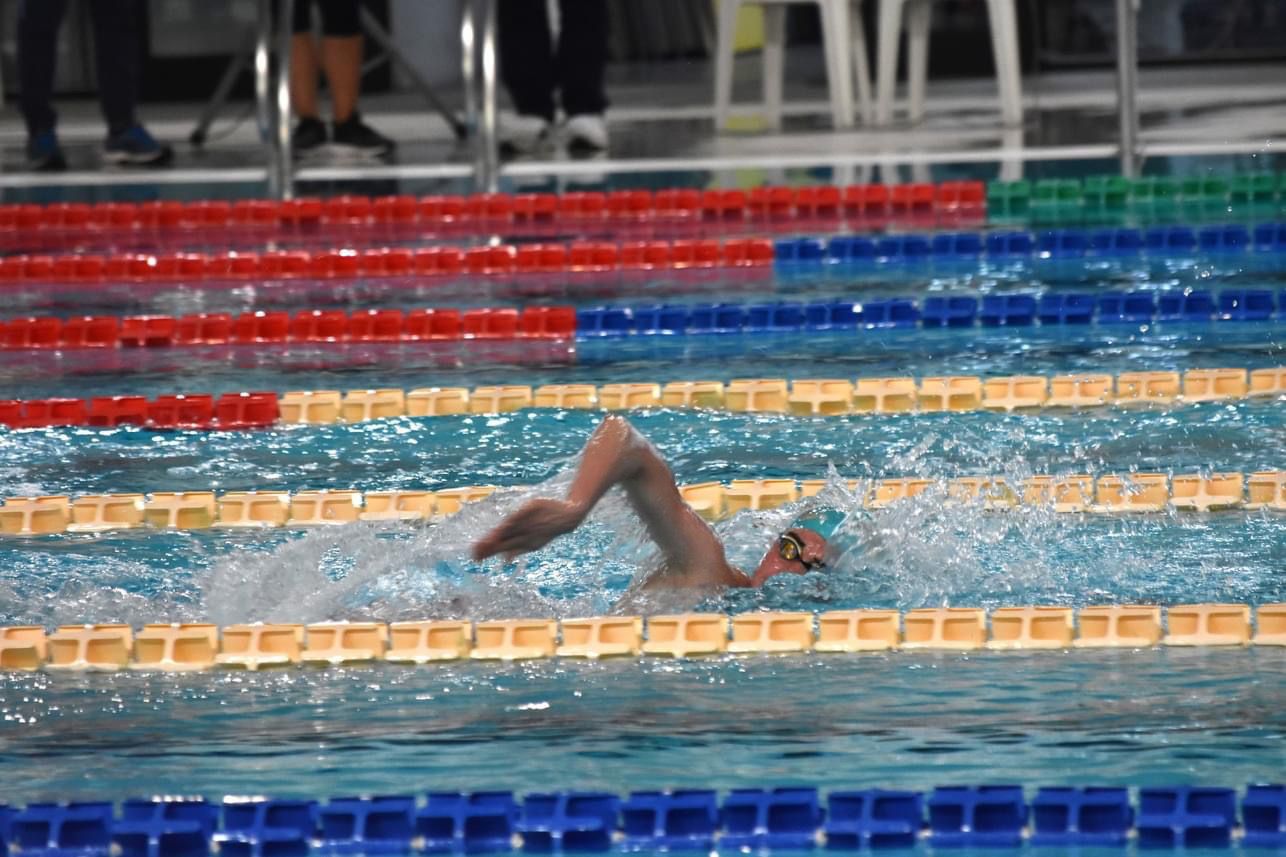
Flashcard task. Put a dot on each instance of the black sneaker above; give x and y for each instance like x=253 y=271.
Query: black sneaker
x=44 y=155
x=136 y=148
x=355 y=137
x=309 y=137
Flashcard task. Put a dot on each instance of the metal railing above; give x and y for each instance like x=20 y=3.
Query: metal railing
x=479 y=69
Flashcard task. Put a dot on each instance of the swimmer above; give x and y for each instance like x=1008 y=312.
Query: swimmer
x=692 y=555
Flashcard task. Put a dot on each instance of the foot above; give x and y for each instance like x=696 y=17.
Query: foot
x=586 y=133
x=309 y=137
x=355 y=137
x=523 y=135
x=44 y=154
x=135 y=147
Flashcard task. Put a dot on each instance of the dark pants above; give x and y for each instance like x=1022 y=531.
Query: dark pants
x=340 y=18
x=532 y=70
x=116 y=47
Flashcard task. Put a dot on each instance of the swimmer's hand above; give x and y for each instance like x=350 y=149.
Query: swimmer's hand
x=530 y=528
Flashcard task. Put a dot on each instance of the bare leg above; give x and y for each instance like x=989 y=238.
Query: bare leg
x=303 y=75
x=342 y=58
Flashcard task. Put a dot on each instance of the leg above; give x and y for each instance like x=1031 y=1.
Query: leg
x=526 y=57
x=582 y=56
x=839 y=63
x=774 y=62
x=116 y=43
x=861 y=62
x=38 y=23
x=303 y=74
x=886 y=80
x=918 y=18
x=341 y=55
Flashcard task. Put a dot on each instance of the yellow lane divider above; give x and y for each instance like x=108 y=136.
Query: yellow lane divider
x=197 y=510
x=806 y=397
x=203 y=646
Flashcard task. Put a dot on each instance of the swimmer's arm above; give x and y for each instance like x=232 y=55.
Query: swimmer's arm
x=616 y=454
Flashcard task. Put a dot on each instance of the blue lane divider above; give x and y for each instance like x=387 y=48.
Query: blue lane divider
x=1009 y=310
x=1165 y=243
x=991 y=816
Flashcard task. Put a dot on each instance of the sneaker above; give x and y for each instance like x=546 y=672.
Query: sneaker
x=586 y=132
x=522 y=135
x=355 y=137
x=44 y=155
x=309 y=137
x=135 y=147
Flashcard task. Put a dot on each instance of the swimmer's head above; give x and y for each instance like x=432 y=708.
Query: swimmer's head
x=801 y=548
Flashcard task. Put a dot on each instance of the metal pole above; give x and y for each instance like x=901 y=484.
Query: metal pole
x=263 y=69
x=468 y=55
x=1127 y=82
x=280 y=180
x=488 y=146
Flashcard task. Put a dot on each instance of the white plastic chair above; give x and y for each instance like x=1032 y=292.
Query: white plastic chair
x=1004 y=46
x=843 y=38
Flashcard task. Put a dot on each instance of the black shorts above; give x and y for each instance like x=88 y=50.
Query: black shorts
x=339 y=17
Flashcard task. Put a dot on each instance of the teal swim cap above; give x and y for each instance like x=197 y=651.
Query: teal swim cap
x=822 y=521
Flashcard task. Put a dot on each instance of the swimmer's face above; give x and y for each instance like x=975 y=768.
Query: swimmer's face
x=799 y=550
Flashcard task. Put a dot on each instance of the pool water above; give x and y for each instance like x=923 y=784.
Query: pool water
x=901 y=720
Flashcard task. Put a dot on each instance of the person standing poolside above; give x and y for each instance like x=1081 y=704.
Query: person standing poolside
x=117 y=50
x=692 y=554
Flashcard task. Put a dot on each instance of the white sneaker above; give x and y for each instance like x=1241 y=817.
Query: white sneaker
x=586 y=132
x=522 y=135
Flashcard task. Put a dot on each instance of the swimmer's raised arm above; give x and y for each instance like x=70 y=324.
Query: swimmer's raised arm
x=616 y=454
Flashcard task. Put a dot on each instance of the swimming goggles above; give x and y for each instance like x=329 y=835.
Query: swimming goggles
x=791 y=549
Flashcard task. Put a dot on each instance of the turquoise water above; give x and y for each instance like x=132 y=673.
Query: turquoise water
x=899 y=720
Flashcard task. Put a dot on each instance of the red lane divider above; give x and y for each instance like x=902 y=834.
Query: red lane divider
x=310 y=326
x=230 y=411
x=509 y=260
x=955 y=201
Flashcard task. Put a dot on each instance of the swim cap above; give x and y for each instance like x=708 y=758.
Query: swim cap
x=822 y=521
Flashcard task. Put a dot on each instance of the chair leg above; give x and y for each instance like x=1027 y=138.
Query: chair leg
x=774 y=61
x=726 y=38
x=861 y=62
x=836 y=28
x=1004 y=45
x=886 y=79
x=918 y=18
